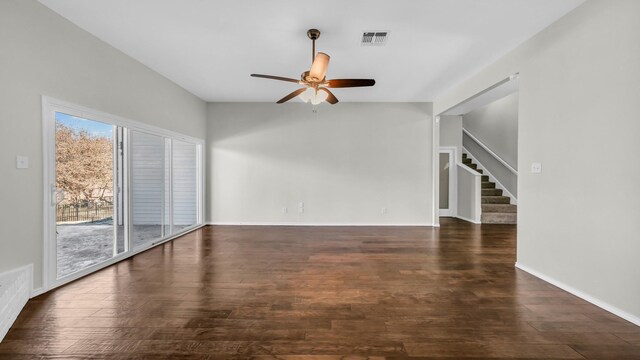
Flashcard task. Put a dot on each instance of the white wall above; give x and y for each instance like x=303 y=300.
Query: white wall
x=345 y=162
x=496 y=126
x=451 y=133
x=469 y=194
x=44 y=54
x=578 y=220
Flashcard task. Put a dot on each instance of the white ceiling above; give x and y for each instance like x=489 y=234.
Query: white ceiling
x=210 y=47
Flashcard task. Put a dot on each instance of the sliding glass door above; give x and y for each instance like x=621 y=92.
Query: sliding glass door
x=148 y=194
x=113 y=188
x=85 y=164
x=164 y=187
x=184 y=162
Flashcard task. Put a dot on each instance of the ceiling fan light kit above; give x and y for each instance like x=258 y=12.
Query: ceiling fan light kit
x=317 y=86
x=314 y=96
x=319 y=67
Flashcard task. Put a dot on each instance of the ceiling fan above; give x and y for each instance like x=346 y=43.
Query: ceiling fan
x=316 y=86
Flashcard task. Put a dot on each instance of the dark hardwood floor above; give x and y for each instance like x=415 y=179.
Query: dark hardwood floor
x=320 y=293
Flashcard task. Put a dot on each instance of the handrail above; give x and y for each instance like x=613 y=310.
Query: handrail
x=509 y=167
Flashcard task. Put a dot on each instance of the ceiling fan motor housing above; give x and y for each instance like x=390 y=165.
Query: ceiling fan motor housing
x=313 y=34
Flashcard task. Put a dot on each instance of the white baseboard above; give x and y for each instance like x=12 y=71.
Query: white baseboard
x=15 y=291
x=37 y=292
x=467 y=219
x=584 y=296
x=312 y=224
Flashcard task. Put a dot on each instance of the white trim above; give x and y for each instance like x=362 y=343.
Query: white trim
x=49 y=107
x=15 y=291
x=435 y=177
x=486 y=148
x=115 y=188
x=514 y=200
x=452 y=211
x=48 y=159
x=584 y=296
x=201 y=181
x=37 y=292
x=225 y=223
x=477 y=181
x=467 y=219
x=503 y=81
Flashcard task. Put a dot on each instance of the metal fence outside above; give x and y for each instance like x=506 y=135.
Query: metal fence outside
x=83 y=212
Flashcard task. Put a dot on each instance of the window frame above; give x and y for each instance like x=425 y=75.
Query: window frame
x=50 y=106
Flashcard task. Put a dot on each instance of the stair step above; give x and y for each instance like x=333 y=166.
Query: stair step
x=495 y=200
x=488 y=185
x=491 y=192
x=466 y=161
x=479 y=170
x=499 y=208
x=499 y=218
x=485 y=177
x=464 y=156
x=472 y=165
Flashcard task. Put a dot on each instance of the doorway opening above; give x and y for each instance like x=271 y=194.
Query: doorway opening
x=483 y=130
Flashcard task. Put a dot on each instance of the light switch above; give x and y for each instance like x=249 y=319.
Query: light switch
x=536 y=168
x=22 y=162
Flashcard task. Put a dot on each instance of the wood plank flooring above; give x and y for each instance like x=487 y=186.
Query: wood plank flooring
x=232 y=292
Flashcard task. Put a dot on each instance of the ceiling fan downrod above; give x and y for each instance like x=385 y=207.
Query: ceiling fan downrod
x=313 y=34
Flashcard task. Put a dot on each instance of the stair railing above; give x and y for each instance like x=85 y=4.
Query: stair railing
x=496 y=156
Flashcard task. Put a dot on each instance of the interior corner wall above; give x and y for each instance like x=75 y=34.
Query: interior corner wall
x=44 y=54
x=345 y=163
x=579 y=84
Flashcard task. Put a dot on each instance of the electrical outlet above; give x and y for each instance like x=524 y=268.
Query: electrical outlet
x=301 y=207
x=22 y=162
x=383 y=211
x=536 y=168
x=285 y=210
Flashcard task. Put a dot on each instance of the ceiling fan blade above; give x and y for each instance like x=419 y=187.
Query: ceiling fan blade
x=344 y=83
x=319 y=67
x=331 y=99
x=292 y=95
x=276 y=78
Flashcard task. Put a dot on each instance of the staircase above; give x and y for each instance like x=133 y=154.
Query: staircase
x=496 y=208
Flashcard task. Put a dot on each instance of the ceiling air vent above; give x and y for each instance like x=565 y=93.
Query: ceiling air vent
x=374 y=38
